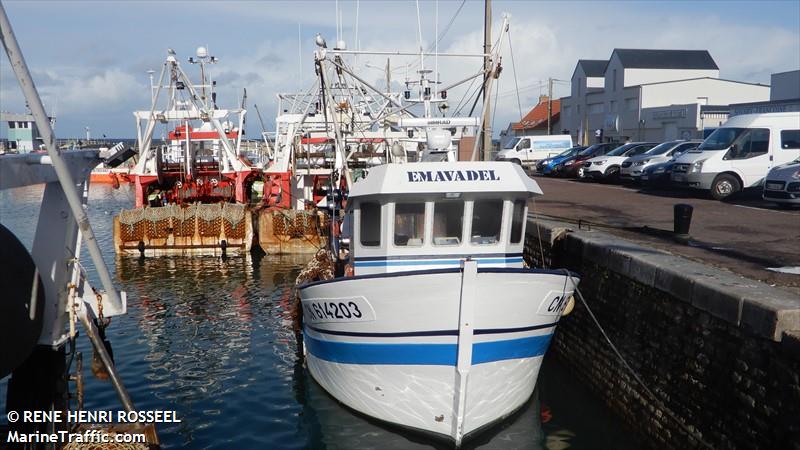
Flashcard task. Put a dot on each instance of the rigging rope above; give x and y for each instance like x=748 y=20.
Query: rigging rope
x=514 y=67
x=689 y=430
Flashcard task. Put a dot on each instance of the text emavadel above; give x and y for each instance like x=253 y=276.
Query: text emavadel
x=416 y=176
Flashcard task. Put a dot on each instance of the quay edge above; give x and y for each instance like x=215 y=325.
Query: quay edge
x=722 y=352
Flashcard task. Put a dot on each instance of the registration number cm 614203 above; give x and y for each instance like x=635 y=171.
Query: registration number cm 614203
x=346 y=309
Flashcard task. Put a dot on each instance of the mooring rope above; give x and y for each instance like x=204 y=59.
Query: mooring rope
x=691 y=432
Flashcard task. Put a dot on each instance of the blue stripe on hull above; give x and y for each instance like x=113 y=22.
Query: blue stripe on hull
x=433 y=262
x=424 y=354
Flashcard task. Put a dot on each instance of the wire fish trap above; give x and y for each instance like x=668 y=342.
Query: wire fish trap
x=159 y=220
x=233 y=220
x=209 y=220
x=132 y=225
x=184 y=223
x=296 y=224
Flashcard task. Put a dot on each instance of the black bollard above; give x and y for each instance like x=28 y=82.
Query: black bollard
x=223 y=244
x=682 y=219
x=140 y=247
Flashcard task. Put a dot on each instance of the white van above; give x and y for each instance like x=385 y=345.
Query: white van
x=739 y=154
x=530 y=149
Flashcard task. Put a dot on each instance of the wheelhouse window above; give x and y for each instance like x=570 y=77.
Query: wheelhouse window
x=487 y=218
x=409 y=224
x=517 y=220
x=369 y=229
x=448 y=222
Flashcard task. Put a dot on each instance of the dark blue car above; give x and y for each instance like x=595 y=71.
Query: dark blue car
x=657 y=175
x=546 y=166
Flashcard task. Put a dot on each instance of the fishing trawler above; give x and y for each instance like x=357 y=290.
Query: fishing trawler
x=414 y=332
x=419 y=336
x=344 y=125
x=191 y=194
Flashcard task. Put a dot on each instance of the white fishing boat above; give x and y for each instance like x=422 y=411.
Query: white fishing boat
x=440 y=328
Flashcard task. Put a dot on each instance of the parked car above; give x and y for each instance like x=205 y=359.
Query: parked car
x=739 y=154
x=782 y=184
x=632 y=168
x=606 y=167
x=573 y=167
x=528 y=150
x=657 y=175
x=546 y=166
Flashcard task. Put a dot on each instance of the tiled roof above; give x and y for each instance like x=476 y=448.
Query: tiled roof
x=537 y=117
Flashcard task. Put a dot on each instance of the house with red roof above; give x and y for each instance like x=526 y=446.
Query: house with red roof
x=535 y=122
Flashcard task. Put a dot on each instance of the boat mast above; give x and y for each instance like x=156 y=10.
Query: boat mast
x=23 y=74
x=486 y=128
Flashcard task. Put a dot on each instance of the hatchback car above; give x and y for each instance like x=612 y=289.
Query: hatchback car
x=606 y=167
x=632 y=168
x=573 y=167
x=546 y=166
x=782 y=184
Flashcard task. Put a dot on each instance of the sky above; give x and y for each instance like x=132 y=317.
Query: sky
x=90 y=59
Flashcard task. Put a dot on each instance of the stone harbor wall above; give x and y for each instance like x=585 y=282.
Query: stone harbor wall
x=720 y=352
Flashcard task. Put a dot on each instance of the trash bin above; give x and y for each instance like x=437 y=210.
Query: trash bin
x=682 y=218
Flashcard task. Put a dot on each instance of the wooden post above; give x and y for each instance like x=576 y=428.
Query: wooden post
x=487 y=67
x=549 y=106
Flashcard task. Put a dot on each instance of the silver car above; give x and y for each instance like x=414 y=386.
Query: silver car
x=632 y=168
x=782 y=184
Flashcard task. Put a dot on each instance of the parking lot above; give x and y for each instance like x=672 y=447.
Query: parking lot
x=744 y=234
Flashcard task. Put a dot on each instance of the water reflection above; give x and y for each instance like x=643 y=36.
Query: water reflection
x=214 y=340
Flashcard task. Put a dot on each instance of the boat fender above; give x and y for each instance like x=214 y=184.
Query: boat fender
x=570 y=306
x=22 y=303
x=349 y=271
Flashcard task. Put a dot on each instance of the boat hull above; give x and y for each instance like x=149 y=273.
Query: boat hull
x=410 y=359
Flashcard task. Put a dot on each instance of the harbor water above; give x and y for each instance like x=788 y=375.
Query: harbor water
x=214 y=340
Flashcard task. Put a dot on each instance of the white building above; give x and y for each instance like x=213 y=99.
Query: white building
x=649 y=95
x=784 y=96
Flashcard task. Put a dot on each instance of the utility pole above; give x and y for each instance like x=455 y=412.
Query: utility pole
x=487 y=67
x=549 y=105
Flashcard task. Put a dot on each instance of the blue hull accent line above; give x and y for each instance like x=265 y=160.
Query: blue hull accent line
x=424 y=354
x=437 y=262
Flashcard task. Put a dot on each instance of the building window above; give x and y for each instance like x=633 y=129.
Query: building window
x=487 y=218
x=567 y=111
x=409 y=224
x=370 y=227
x=614 y=81
x=613 y=105
x=596 y=108
x=448 y=221
x=632 y=104
x=12 y=125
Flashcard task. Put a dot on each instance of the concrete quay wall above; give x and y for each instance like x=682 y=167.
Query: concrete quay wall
x=721 y=352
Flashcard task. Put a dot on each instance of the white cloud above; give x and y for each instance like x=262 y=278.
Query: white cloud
x=258 y=48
